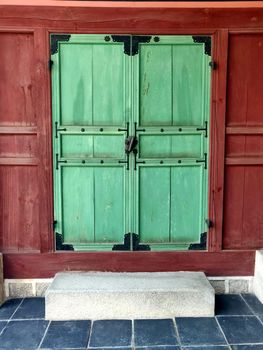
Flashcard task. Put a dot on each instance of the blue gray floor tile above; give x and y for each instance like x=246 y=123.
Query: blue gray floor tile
x=70 y=334
x=199 y=331
x=23 y=335
x=8 y=308
x=247 y=347
x=154 y=332
x=209 y=347
x=110 y=333
x=31 y=308
x=242 y=329
x=111 y=348
x=254 y=303
x=163 y=347
x=237 y=326
x=231 y=304
x=2 y=325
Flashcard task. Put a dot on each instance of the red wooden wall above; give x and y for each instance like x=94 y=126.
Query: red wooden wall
x=243 y=205
x=236 y=166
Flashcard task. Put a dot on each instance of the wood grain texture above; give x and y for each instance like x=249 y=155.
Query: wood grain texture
x=244 y=130
x=244 y=144
x=144 y=17
x=244 y=160
x=16 y=57
x=42 y=107
x=18 y=146
x=243 y=220
x=105 y=3
x=217 y=140
x=245 y=73
x=24 y=40
x=19 y=208
x=13 y=130
x=225 y=263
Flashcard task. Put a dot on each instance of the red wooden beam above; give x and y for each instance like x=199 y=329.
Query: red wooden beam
x=225 y=263
x=131 y=17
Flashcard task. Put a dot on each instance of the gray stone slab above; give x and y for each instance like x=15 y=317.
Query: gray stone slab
x=238 y=286
x=219 y=286
x=20 y=290
x=258 y=278
x=103 y=295
x=41 y=288
x=1 y=280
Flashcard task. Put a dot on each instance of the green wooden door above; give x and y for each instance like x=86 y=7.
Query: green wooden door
x=150 y=96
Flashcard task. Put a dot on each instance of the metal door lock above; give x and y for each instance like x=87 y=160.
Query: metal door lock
x=130 y=144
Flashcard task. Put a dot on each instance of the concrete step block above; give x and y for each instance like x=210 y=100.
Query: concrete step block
x=104 y=295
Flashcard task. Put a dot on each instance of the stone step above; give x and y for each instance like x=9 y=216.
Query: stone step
x=105 y=295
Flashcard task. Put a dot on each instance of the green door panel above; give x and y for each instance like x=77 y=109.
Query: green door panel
x=92 y=82
x=171 y=146
x=154 y=204
x=186 y=195
x=173 y=81
x=92 y=146
x=171 y=211
x=101 y=95
x=172 y=113
x=93 y=205
x=155 y=88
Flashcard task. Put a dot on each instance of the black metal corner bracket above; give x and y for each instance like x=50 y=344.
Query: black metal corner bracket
x=206 y=40
x=131 y=242
x=131 y=42
x=201 y=245
x=125 y=39
x=136 y=40
x=60 y=245
x=55 y=38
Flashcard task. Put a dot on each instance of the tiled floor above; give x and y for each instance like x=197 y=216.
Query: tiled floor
x=238 y=325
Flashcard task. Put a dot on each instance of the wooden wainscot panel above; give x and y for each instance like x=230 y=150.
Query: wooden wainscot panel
x=245 y=76
x=244 y=145
x=243 y=193
x=18 y=146
x=16 y=101
x=243 y=219
x=19 y=208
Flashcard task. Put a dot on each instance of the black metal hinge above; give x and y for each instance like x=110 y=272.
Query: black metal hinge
x=203 y=129
x=55 y=38
x=57 y=129
x=205 y=40
x=209 y=223
x=213 y=65
x=203 y=160
x=131 y=242
x=59 y=161
x=201 y=245
x=54 y=224
x=50 y=64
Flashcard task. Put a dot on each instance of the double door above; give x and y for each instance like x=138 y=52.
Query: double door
x=130 y=141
